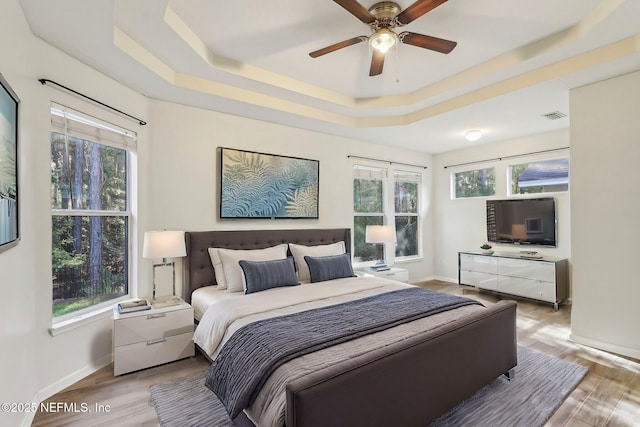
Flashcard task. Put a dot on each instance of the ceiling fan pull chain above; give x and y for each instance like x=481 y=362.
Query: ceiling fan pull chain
x=397 y=46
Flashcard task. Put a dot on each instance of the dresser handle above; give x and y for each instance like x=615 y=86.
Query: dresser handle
x=156 y=315
x=156 y=341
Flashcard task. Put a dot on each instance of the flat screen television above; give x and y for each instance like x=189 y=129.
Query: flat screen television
x=522 y=221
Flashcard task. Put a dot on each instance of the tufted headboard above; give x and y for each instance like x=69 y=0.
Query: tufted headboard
x=198 y=270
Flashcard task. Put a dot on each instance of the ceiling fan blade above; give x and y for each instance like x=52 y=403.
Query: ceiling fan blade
x=416 y=10
x=337 y=46
x=427 y=42
x=377 y=62
x=357 y=10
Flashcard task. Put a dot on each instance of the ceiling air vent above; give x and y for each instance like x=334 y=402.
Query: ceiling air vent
x=554 y=115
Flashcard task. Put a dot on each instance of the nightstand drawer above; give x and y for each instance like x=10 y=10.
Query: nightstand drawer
x=394 y=273
x=153 y=325
x=400 y=275
x=153 y=352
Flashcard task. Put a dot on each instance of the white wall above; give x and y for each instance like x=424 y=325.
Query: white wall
x=605 y=202
x=461 y=224
x=176 y=177
x=34 y=364
x=184 y=171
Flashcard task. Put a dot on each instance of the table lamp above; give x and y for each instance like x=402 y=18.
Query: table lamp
x=380 y=234
x=162 y=245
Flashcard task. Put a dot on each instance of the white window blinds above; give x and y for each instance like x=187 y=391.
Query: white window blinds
x=369 y=172
x=404 y=176
x=74 y=123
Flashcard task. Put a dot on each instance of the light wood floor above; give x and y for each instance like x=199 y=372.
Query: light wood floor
x=608 y=396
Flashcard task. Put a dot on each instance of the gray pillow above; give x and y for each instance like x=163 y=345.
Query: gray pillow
x=263 y=275
x=329 y=267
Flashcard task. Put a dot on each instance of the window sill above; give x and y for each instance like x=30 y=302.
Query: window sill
x=80 y=320
x=409 y=260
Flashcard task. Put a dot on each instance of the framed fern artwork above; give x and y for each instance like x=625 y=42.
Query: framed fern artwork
x=260 y=185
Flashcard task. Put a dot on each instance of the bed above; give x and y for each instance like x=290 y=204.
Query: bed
x=424 y=368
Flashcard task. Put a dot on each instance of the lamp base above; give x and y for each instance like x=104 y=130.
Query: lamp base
x=166 y=301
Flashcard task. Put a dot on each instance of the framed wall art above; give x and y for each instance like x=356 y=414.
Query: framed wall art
x=9 y=230
x=260 y=185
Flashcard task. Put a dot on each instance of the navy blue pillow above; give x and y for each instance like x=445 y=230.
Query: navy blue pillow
x=263 y=275
x=329 y=267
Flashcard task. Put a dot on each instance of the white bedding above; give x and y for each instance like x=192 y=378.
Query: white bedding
x=228 y=312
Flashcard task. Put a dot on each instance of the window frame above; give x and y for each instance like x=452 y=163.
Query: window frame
x=509 y=172
x=383 y=179
x=66 y=321
x=388 y=206
x=416 y=214
x=452 y=178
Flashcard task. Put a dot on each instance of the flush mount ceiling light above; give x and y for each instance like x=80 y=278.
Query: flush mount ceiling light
x=473 y=135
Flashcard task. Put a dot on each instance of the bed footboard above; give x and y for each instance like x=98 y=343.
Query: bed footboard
x=412 y=382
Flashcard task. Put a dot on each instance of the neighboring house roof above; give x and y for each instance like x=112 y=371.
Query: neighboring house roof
x=550 y=172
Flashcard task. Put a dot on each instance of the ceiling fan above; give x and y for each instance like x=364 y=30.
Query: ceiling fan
x=383 y=17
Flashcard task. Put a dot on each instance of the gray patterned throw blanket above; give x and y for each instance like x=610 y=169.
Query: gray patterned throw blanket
x=256 y=350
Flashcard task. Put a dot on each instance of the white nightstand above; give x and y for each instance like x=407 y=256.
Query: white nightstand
x=394 y=273
x=151 y=337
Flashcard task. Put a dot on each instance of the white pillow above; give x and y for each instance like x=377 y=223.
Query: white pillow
x=217 y=267
x=300 y=251
x=228 y=271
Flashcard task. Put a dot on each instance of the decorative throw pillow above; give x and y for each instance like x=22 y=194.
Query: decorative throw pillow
x=263 y=275
x=329 y=267
x=227 y=269
x=300 y=251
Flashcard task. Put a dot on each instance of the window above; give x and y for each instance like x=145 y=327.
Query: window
x=406 y=193
x=90 y=190
x=374 y=205
x=540 y=177
x=368 y=209
x=474 y=183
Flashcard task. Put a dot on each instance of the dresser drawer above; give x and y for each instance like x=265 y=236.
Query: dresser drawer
x=528 y=269
x=142 y=355
x=150 y=326
x=529 y=288
x=479 y=263
x=479 y=280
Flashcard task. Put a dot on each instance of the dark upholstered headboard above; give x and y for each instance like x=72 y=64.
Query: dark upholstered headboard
x=198 y=270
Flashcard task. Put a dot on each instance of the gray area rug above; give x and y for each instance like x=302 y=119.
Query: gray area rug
x=541 y=384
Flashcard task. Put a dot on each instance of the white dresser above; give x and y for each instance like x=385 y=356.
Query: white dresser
x=545 y=279
x=151 y=337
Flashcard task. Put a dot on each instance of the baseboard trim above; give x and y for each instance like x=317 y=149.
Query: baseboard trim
x=608 y=347
x=63 y=383
x=27 y=420
x=74 y=377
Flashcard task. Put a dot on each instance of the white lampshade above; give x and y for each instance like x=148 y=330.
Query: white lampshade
x=380 y=234
x=164 y=244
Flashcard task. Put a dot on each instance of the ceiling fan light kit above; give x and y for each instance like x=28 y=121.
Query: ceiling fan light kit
x=382 y=18
x=383 y=40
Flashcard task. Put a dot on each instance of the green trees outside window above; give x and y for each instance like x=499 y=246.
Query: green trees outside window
x=90 y=220
x=475 y=183
x=406 y=215
x=372 y=206
x=368 y=206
